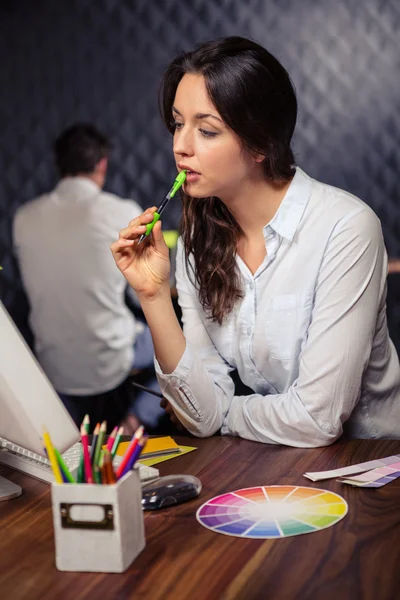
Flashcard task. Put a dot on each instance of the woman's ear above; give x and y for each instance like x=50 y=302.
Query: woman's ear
x=258 y=157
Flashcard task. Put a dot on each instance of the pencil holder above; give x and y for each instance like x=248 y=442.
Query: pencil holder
x=98 y=528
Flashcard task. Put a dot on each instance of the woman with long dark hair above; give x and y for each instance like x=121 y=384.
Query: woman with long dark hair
x=279 y=277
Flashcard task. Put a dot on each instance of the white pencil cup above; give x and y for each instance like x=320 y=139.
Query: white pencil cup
x=98 y=528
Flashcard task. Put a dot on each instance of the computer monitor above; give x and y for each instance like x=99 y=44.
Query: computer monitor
x=28 y=402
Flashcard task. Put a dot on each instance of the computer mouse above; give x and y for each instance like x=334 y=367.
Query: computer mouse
x=170 y=490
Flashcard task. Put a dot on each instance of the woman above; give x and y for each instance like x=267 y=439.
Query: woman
x=278 y=276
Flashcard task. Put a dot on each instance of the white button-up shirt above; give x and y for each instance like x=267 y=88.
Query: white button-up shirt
x=84 y=332
x=309 y=337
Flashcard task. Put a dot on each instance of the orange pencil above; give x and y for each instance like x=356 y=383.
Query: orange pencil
x=134 y=442
x=104 y=478
x=107 y=465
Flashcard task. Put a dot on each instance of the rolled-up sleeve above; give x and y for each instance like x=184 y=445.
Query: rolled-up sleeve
x=200 y=389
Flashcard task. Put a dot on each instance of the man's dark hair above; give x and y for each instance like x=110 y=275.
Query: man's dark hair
x=79 y=148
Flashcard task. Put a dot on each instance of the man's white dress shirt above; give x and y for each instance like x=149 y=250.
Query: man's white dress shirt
x=309 y=337
x=84 y=332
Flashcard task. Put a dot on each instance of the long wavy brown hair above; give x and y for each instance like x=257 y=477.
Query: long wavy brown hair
x=255 y=97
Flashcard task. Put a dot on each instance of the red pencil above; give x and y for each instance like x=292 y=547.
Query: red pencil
x=134 y=442
x=111 y=438
x=86 y=455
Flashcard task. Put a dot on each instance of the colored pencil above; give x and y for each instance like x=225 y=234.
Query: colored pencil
x=81 y=469
x=117 y=441
x=52 y=457
x=64 y=469
x=99 y=443
x=107 y=465
x=98 y=469
x=135 y=454
x=104 y=478
x=111 y=438
x=94 y=440
x=86 y=456
x=134 y=442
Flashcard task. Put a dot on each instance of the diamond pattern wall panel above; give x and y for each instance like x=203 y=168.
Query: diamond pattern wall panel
x=102 y=61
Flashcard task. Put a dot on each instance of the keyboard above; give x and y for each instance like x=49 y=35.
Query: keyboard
x=39 y=466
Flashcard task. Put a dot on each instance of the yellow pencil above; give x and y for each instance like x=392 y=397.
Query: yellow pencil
x=52 y=457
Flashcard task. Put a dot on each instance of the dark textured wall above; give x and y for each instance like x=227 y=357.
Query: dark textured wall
x=102 y=61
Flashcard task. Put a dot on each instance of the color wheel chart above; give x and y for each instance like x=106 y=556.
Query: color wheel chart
x=273 y=511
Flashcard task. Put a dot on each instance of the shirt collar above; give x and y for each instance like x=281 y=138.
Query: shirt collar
x=82 y=186
x=289 y=214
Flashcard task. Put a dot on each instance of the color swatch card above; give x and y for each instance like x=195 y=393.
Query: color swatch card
x=375 y=478
x=353 y=469
x=274 y=511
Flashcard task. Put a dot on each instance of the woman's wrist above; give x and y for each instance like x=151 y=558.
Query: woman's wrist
x=162 y=295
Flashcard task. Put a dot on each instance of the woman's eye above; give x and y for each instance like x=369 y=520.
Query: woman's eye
x=175 y=125
x=208 y=134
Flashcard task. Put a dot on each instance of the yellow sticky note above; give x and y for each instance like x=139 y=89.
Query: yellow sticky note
x=153 y=445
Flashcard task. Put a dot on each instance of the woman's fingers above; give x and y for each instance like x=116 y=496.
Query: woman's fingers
x=138 y=225
x=158 y=239
x=145 y=214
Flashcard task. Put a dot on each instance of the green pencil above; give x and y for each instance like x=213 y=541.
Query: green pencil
x=116 y=442
x=99 y=445
x=63 y=466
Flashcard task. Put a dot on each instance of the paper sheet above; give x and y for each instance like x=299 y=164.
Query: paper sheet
x=353 y=469
x=376 y=477
x=154 y=461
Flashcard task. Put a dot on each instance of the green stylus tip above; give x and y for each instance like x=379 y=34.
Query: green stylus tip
x=179 y=181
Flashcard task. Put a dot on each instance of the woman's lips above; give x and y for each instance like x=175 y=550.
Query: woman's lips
x=192 y=176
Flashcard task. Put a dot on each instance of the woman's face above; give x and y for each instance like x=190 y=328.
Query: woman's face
x=204 y=146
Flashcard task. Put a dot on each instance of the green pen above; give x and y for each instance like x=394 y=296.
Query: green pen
x=179 y=181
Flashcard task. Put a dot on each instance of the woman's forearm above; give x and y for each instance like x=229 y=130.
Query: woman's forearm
x=168 y=339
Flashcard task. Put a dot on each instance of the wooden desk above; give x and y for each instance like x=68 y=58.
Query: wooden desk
x=359 y=558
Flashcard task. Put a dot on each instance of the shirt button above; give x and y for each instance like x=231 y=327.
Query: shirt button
x=327 y=427
x=251 y=286
x=249 y=331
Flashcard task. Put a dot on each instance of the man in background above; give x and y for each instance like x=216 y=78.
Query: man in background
x=86 y=338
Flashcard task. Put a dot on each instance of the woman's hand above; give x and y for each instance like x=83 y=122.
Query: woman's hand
x=146 y=266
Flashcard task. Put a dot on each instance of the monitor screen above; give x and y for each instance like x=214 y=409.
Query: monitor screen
x=28 y=402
